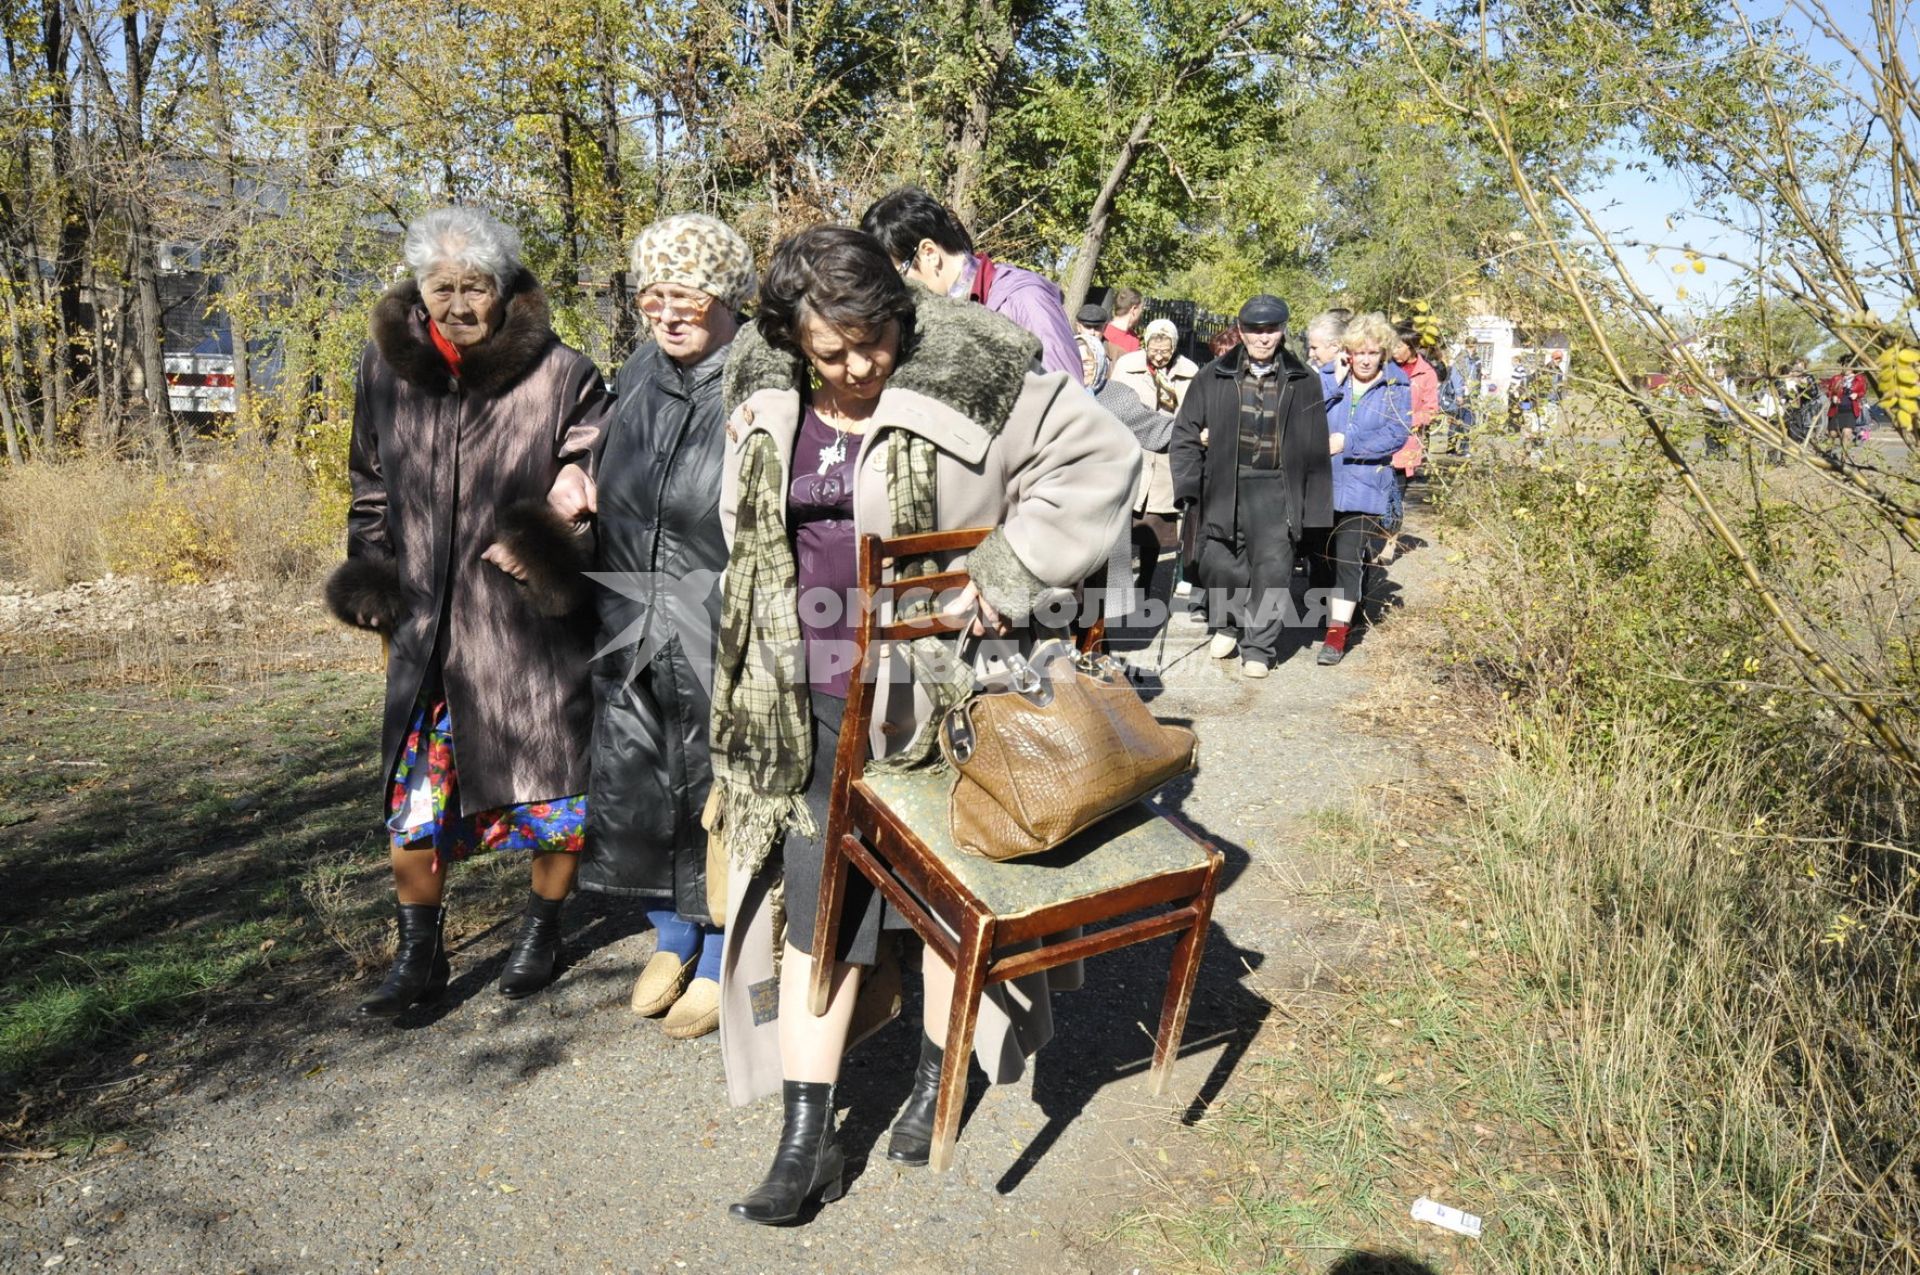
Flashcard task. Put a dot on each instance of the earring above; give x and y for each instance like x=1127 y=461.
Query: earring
x=813 y=377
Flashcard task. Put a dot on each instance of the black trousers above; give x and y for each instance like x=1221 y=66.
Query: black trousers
x=864 y=910
x=1351 y=546
x=1254 y=574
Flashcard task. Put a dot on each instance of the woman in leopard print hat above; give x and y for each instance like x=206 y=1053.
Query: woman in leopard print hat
x=661 y=551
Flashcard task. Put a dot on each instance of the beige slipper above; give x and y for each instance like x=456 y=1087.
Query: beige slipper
x=696 y=1013
x=660 y=984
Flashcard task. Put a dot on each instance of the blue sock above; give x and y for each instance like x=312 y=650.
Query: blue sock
x=712 y=939
x=676 y=934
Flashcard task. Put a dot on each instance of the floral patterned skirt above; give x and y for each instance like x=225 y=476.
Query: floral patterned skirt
x=426 y=787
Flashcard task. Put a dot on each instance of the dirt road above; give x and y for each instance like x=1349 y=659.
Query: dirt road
x=562 y=1134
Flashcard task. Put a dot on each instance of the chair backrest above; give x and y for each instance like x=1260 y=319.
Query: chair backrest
x=878 y=556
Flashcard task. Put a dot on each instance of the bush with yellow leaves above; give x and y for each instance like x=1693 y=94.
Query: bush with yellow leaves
x=248 y=513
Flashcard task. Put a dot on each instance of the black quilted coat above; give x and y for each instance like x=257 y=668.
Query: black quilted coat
x=659 y=608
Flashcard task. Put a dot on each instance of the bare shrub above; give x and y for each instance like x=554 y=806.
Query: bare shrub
x=57 y=517
x=253 y=515
x=346 y=906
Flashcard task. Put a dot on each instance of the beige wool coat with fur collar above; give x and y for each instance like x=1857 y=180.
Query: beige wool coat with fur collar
x=1030 y=454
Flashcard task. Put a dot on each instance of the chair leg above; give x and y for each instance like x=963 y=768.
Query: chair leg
x=834 y=866
x=1187 y=951
x=969 y=984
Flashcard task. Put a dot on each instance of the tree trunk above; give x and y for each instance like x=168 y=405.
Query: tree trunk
x=13 y=397
x=625 y=321
x=968 y=126
x=1100 y=216
x=231 y=298
x=129 y=123
x=18 y=401
x=70 y=361
x=324 y=27
x=151 y=330
x=6 y=423
x=569 y=286
x=108 y=366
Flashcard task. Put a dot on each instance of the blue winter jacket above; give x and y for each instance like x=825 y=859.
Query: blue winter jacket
x=1375 y=424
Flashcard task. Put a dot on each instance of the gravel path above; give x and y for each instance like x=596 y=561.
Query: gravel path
x=562 y=1134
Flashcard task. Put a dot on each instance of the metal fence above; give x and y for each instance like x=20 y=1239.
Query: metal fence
x=1197 y=327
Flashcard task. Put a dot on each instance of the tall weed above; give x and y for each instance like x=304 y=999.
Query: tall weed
x=58 y=519
x=250 y=514
x=1662 y=1010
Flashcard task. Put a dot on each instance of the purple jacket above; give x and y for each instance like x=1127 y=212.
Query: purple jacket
x=1032 y=301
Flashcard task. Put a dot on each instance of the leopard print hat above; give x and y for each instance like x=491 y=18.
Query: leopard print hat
x=695 y=251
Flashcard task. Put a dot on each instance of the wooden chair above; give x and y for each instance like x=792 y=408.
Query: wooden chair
x=1075 y=901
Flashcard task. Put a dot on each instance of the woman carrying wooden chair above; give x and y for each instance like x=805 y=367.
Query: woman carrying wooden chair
x=861 y=404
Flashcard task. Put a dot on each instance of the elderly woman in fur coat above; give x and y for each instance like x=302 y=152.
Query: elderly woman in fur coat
x=474 y=430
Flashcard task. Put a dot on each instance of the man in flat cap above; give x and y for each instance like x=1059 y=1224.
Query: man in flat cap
x=1250 y=460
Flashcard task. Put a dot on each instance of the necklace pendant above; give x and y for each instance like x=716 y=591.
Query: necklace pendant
x=832 y=454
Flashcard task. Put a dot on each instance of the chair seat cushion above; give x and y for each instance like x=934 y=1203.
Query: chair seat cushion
x=1134 y=844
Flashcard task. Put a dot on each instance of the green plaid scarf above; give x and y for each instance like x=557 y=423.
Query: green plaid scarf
x=762 y=725
x=762 y=722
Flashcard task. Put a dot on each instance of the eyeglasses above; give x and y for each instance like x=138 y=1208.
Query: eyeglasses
x=682 y=309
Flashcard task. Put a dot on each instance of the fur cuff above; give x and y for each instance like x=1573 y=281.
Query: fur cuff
x=365 y=593
x=1004 y=580
x=556 y=558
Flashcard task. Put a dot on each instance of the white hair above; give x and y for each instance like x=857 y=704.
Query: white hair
x=1165 y=328
x=1327 y=328
x=463 y=236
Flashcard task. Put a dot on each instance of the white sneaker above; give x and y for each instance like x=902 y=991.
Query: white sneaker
x=1184 y=589
x=1223 y=645
x=1253 y=669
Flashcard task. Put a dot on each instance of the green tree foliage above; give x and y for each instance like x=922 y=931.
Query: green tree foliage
x=1209 y=148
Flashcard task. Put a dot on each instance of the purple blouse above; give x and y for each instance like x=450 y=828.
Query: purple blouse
x=826 y=553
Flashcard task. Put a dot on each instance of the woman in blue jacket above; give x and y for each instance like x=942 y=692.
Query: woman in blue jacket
x=1367 y=423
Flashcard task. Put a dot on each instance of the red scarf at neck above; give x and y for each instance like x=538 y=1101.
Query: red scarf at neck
x=448 y=350
x=982 y=279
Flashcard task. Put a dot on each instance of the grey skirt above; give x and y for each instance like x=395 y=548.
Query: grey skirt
x=866 y=911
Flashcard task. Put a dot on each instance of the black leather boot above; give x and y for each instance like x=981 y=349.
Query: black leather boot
x=535 y=953
x=912 y=1140
x=419 y=973
x=809 y=1159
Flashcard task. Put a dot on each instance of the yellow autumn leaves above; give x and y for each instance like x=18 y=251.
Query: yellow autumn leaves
x=1897 y=378
x=1420 y=317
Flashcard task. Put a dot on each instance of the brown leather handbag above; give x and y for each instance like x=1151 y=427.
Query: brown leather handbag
x=1062 y=741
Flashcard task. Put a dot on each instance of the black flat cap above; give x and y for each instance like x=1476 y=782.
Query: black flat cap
x=1264 y=310
x=1091 y=313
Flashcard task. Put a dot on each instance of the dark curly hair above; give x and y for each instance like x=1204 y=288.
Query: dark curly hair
x=836 y=274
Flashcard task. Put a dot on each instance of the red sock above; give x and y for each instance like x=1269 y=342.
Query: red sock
x=1337 y=636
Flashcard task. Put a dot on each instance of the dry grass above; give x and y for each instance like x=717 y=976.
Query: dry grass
x=56 y=519
x=248 y=515
x=1651 y=997
x=346 y=907
x=1619 y=1017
